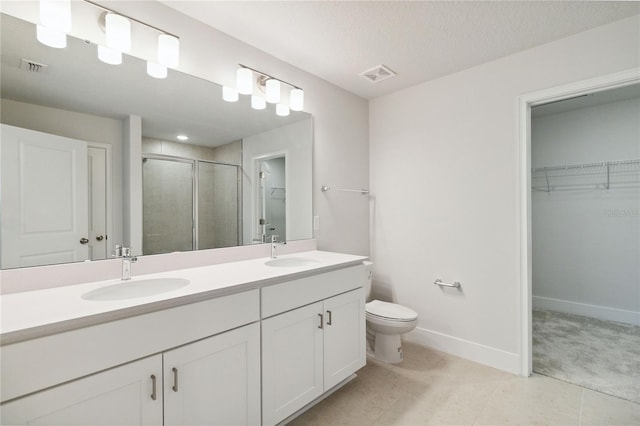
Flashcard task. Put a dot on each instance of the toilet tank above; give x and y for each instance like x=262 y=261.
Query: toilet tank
x=368 y=267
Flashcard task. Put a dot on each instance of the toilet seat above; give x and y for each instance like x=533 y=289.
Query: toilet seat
x=390 y=311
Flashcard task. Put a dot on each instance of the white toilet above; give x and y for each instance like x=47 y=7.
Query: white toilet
x=385 y=323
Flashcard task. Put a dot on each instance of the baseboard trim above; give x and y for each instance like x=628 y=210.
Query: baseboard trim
x=593 y=311
x=482 y=354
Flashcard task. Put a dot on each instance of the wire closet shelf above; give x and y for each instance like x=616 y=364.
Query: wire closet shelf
x=605 y=175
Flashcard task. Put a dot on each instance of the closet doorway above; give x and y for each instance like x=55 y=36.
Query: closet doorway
x=585 y=240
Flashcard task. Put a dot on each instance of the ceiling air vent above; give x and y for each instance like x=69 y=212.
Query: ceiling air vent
x=33 y=66
x=378 y=73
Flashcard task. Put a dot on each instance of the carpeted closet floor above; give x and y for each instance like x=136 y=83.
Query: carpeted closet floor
x=599 y=355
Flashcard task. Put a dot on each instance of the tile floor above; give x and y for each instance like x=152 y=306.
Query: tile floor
x=431 y=387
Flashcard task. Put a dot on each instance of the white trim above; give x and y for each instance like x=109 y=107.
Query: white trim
x=109 y=187
x=594 y=311
x=525 y=102
x=487 y=355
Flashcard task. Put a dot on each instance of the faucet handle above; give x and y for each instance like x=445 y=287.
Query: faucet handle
x=117 y=251
x=274 y=238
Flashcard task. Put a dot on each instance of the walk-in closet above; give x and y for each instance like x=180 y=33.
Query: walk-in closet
x=585 y=202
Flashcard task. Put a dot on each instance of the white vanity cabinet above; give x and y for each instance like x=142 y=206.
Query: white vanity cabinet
x=215 y=381
x=310 y=349
x=112 y=373
x=120 y=396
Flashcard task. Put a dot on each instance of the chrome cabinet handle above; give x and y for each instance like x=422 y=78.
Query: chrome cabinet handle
x=84 y=240
x=321 y=325
x=153 y=387
x=175 y=379
x=99 y=238
x=329 y=320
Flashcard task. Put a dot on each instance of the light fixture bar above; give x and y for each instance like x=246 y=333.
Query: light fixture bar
x=269 y=76
x=131 y=19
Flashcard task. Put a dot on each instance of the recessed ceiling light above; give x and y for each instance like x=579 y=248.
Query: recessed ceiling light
x=182 y=137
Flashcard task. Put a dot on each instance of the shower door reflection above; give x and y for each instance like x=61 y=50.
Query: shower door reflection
x=189 y=205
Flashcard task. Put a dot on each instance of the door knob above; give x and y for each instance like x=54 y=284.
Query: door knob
x=99 y=238
x=84 y=240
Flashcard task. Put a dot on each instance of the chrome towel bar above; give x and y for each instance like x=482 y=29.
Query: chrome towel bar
x=326 y=188
x=439 y=282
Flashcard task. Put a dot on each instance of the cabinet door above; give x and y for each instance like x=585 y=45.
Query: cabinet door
x=215 y=381
x=291 y=362
x=120 y=396
x=344 y=336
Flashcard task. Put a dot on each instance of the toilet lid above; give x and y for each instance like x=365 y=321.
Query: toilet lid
x=390 y=310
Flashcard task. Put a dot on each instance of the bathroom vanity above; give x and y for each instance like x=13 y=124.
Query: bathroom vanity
x=242 y=343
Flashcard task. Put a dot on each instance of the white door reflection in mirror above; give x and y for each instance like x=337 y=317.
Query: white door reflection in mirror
x=99 y=200
x=44 y=198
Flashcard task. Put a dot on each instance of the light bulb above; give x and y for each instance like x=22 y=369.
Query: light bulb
x=168 y=50
x=56 y=14
x=296 y=100
x=51 y=37
x=156 y=70
x=272 y=91
x=258 y=102
x=109 y=56
x=118 y=32
x=282 y=110
x=229 y=94
x=244 y=81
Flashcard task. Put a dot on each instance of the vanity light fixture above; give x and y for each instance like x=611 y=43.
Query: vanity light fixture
x=229 y=94
x=272 y=91
x=55 y=23
x=296 y=99
x=258 y=102
x=118 y=32
x=168 y=50
x=56 y=15
x=156 y=70
x=282 y=110
x=109 y=56
x=271 y=87
x=244 y=81
x=50 y=37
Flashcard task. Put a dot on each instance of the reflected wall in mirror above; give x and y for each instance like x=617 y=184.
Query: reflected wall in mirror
x=66 y=134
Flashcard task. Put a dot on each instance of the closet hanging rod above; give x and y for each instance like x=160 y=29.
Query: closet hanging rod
x=326 y=188
x=587 y=165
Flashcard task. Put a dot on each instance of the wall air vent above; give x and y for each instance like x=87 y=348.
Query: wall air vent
x=378 y=74
x=33 y=66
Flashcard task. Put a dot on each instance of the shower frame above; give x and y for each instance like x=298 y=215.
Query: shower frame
x=195 y=169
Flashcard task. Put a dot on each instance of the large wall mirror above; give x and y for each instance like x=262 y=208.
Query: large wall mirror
x=68 y=126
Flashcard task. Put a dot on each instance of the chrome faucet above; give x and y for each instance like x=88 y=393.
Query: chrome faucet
x=274 y=241
x=127 y=259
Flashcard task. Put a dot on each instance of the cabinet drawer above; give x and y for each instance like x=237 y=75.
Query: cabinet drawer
x=286 y=296
x=39 y=363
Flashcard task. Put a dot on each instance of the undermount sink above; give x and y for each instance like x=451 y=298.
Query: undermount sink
x=291 y=262
x=133 y=289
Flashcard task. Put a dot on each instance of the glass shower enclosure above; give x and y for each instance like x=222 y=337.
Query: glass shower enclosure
x=189 y=205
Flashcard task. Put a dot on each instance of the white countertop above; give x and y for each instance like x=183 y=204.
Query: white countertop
x=40 y=313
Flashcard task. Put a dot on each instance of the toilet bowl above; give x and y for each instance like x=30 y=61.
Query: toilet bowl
x=386 y=322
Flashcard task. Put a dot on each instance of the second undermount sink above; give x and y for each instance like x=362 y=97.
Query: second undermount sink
x=291 y=262
x=135 y=288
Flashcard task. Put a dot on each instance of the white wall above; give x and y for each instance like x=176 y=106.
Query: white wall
x=85 y=127
x=585 y=256
x=444 y=171
x=290 y=141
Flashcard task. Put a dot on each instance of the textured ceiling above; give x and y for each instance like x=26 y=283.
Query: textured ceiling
x=419 y=40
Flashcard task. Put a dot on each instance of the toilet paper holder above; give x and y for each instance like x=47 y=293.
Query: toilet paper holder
x=439 y=282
